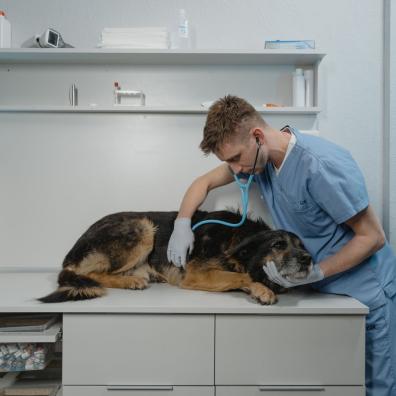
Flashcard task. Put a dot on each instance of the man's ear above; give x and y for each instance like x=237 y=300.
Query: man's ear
x=258 y=135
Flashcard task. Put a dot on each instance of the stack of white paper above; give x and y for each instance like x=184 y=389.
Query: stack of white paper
x=140 y=37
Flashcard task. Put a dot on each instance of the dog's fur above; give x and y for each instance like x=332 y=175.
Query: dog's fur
x=128 y=250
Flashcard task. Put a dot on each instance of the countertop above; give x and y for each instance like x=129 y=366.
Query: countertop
x=19 y=291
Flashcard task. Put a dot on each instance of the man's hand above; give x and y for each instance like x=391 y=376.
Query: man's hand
x=181 y=242
x=270 y=269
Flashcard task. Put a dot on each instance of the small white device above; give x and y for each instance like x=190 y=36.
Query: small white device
x=50 y=38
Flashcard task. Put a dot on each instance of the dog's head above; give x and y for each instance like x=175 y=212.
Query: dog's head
x=284 y=248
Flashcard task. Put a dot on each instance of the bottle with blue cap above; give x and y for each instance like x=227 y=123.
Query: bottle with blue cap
x=183 y=31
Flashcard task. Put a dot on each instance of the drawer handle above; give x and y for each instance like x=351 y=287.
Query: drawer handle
x=291 y=388
x=139 y=387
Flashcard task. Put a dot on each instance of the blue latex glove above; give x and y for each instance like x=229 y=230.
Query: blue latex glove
x=181 y=242
x=270 y=269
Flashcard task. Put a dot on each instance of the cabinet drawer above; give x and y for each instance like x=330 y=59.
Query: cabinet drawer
x=290 y=391
x=138 y=349
x=138 y=391
x=290 y=350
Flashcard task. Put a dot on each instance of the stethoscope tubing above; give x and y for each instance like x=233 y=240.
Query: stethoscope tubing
x=244 y=187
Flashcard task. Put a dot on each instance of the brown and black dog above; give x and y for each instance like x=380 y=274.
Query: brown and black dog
x=128 y=250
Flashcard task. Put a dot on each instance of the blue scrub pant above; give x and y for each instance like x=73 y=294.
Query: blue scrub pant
x=381 y=350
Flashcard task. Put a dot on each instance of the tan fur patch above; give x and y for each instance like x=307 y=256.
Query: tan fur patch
x=236 y=265
x=214 y=280
x=172 y=275
x=119 y=281
x=139 y=254
x=147 y=272
x=90 y=292
x=97 y=262
x=261 y=293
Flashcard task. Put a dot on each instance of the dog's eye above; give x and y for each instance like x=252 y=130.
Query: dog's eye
x=279 y=245
x=242 y=252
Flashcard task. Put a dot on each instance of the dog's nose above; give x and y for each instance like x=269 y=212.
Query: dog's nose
x=305 y=259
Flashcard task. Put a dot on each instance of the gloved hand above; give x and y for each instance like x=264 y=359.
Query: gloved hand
x=181 y=242
x=270 y=269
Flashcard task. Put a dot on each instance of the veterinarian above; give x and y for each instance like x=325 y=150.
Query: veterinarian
x=315 y=189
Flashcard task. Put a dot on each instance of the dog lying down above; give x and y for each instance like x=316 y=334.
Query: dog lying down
x=128 y=251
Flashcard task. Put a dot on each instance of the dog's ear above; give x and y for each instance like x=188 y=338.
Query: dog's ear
x=247 y=244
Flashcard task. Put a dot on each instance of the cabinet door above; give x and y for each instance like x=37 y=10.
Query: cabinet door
x=138 y=391
x=290 y=350
x=290 y=391
x=141 y=349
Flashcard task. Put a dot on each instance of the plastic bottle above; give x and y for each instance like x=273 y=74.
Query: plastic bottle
x=309 y=92
x=183 y=31
x=298 y=88
x=5 y=31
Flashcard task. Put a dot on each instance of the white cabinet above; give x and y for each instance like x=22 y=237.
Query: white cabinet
x=289 y=350
x=138 y=350
x=290 y=391
x=138 y=391
x=172 y=342
x=240 y=355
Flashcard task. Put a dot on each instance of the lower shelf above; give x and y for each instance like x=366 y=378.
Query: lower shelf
x=41 y=382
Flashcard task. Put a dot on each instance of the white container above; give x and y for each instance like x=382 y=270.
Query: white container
x=298 y=88
x=183 y=31
x=309 y=87
x=5 y=31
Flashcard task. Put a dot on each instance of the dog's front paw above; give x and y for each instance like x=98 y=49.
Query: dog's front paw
x=262 y=294
x=136 y=283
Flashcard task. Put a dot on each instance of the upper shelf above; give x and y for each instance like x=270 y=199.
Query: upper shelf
x=161 y=57
x=147 y=109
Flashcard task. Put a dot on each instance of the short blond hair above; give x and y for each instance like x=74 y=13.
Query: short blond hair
x=227 y=117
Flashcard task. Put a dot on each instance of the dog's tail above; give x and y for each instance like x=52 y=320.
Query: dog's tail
x=73 y=287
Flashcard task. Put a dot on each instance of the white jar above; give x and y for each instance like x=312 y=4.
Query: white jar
x=5 y=31
x=309 y=87
x=298 y=88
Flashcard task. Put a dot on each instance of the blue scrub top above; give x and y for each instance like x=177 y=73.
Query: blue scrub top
x=320 y=187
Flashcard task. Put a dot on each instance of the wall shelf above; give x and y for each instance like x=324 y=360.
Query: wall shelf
x=162 y=57
x=147 y=110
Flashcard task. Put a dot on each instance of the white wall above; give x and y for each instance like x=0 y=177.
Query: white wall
x=390 y=119
x=58 y=175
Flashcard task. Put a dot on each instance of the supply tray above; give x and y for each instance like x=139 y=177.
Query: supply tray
x=23 y=349
x=25 y=356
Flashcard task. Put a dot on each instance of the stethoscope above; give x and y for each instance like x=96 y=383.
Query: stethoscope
x=244 y=187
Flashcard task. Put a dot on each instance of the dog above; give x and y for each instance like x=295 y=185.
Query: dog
x=127 y=250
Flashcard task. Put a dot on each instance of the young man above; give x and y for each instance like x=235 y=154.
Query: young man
x=315 y=189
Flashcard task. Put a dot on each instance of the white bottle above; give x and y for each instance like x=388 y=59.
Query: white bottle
x=183 y=31
x=309 y=91
x=5 y=31
x=298 y=88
